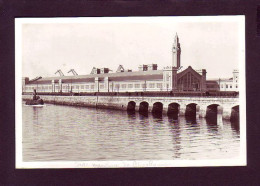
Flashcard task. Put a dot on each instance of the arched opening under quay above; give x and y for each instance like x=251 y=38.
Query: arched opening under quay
x=235 y=114
x=173 y=110
x=191 y=110
x=212 y=111
x=157 y=109
x=143 y=107
x=131 y=106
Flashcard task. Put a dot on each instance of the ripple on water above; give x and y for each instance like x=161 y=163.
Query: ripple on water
x=55 y=133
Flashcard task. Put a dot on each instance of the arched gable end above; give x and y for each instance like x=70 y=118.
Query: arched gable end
x=189 y=70
x=189 y=80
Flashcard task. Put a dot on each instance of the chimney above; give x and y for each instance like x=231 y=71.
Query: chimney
x=143 y=68
x=104 y=70
x=152 y=67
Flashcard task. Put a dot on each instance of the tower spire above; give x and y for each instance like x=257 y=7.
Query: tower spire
x=176 y=39
x=176 y=52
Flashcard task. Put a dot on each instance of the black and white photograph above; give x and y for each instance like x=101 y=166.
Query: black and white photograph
x=108 y=92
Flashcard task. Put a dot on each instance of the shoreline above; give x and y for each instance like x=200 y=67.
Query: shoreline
x=125 y=103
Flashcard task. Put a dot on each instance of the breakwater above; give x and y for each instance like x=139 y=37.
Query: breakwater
x=201 y=106
x=107 y=102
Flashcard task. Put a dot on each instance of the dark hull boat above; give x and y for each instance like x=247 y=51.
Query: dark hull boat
x=34 y=102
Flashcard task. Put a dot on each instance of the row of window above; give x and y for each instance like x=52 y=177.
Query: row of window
x=116 y=86
x=63 y=87
x=228 y=86
x=129 y=86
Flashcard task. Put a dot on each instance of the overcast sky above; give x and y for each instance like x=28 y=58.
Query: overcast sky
x=212 y=44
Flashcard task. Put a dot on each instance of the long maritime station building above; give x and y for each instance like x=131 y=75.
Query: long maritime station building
x=148 y=78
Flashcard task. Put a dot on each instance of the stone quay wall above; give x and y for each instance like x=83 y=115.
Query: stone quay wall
x=225 y=105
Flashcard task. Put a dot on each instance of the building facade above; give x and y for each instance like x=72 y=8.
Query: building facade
x=225 y=84
x=230 y=84
x=147 y=78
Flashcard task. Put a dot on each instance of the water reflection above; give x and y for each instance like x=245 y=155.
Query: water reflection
x=157 y=115
x=35 y=114
x=235 y=126
x=143 y=114
x=173 y=116
x=70 y=133
x=191 y=119
x=220 y=121
x=175 y=129
x=131 y=114
x=212 y=124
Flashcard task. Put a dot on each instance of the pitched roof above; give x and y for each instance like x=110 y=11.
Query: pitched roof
x=138 y=77
x=119 y=76
x=189 y=69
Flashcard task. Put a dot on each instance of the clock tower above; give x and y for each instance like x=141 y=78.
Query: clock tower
x=170 y=72
x=176 y=52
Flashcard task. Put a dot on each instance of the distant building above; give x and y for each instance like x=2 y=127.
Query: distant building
x=147 y=78
x=230 y=84
x=225 y=84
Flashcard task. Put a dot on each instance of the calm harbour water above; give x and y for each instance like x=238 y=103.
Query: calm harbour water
x=54 y=132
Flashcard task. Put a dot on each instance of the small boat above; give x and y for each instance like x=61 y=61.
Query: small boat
x=35 y=101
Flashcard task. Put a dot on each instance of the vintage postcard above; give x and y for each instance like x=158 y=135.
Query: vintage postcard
x=130 y=92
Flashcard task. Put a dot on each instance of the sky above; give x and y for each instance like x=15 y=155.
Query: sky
x=212 y=43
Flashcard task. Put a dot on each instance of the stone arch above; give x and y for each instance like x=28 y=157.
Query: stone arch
x=212 y=110
x=131 y=106
x=173 y=109
x=157 y=108
x=143 y=107
x=191 y=110
x=234 y=113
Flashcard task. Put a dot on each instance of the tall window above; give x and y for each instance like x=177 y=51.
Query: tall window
x=167 y=76
x=137 y=85
x=117 y=86
x=151 y=85
x=159 y=85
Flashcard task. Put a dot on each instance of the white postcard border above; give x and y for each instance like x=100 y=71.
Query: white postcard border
x=241 y=161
